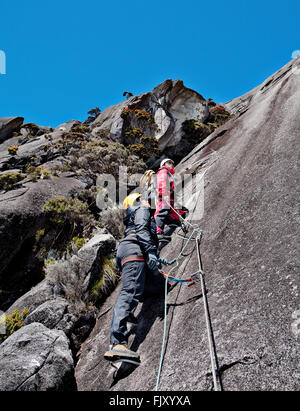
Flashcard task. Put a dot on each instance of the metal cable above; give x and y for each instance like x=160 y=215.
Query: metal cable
x=211 y=342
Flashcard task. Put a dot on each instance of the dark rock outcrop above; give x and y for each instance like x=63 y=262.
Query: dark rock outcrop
x=21 y=216
x=8 y=125
x=250 y=256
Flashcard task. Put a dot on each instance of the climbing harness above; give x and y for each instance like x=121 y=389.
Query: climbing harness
x=194 y=278
x=198 y=276
x=191 y=280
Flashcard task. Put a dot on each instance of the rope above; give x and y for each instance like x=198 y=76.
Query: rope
x=211 y=342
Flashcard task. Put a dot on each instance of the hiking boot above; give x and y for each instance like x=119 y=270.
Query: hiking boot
x=121 y=352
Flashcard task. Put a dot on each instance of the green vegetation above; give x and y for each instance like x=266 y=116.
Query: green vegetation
x=78 y=242
x=140 y=114
x=93 y=114
x=133 y=132
x=68 y=224
x=220 y=115
x=61 y=210
x=147 y=148
x=12 y=323
x=39 y=234
x=8 y=181
x=108 y=277
x=103 y=156
x=196 y=130
x=12 y=150
x=36 y=173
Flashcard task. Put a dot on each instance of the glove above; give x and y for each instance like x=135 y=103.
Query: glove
x=184 y=212
x=163 y=261
x=166 y=262
x=152 y=261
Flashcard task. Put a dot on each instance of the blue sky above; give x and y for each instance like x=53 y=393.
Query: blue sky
x=65 y=57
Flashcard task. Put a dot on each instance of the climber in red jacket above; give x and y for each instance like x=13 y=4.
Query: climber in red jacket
x=165 y=213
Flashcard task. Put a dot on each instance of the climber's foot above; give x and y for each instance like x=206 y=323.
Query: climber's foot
x=120 y=352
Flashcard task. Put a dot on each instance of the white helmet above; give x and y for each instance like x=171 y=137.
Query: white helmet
x=165 y=160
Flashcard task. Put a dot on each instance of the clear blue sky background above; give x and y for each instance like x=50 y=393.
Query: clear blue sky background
x=65 y=57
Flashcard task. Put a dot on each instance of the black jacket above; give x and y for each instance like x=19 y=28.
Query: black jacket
x=142 y=239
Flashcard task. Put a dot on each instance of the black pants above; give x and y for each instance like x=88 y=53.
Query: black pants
x=137 y=279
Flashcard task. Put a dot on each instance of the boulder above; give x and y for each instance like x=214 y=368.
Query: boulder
x=170 y=104
x=41 y=293
x=8 y=125
x=91 y=256
x=50 y=313
x=35 y=358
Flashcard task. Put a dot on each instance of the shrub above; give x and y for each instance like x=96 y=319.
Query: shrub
x=39 y=234
x=196 y=129
x=68 y=275
x=140 y=114
x=12 y=150
x=107 y=280
x=61 y=210
x=51 y=257
x=8 y=181
x=220 y=115
x=33 y=129
x=133 y=132
x=144 y=115
x=12 y=322
x=126 y=111
x=219 y=109
x=37 y=172
x=147 y=148
x=99 y=156
x=76 y=242
x=44 y=173
x=93 y=114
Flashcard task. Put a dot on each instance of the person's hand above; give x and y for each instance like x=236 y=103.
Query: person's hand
x=152 y=261
x=185 y=210
x=163 y=261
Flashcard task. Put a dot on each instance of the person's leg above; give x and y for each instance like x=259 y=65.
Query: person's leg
x=160 y=215
x=133 y=282
x=167 y=237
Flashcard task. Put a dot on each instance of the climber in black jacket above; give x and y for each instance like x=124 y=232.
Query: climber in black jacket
x=136 y=258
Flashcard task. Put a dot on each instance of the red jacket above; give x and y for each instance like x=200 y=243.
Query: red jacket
x=165 y=182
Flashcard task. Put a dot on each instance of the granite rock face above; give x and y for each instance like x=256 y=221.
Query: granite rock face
x=241 y=189
x=248 y=212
